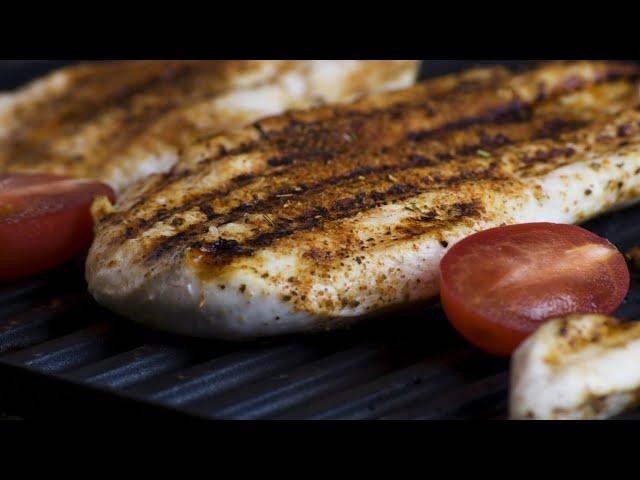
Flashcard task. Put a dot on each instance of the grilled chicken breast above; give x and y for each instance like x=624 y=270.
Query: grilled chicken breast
x=120 y=121
x=315 y=219
x=577 y=367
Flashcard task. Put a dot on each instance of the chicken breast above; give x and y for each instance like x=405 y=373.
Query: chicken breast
x=120 y=121
x=316 y=219
x=577 y=367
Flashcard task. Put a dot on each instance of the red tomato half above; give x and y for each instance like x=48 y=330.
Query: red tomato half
x=44 y=221
x=497 y=286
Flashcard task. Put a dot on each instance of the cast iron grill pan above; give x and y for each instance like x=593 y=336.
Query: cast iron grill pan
x=63 y=355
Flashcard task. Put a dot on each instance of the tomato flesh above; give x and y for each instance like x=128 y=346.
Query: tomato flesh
x=45 y=220
x=499 y=285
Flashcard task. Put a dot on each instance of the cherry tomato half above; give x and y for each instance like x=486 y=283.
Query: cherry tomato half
x=499 y=285
x=44 y=221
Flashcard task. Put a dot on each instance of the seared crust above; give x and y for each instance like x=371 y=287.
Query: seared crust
x=330 y=214
x=119 y=121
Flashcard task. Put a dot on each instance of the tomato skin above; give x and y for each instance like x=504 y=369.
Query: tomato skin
x=51 y=227
x=491 y=337
x=552 y=269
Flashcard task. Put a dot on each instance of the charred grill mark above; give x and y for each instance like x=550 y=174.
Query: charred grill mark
x=422 y=161
x=428 y=216
x=279 y=161
x=163 y=179
x=242 y=180
x=296 y=134
x=316 y=217
x=271 y=202
x=430 y=221
x=454 y=214
x=348 y=204
x=598 y=142
x=544 y=155
x=376 y=191
x=557 y=126
x=397 y=190
x=295 y=126
x=624 y=130
x=161 y=215
x=219 y=246
x=510 y=113
x=518 y=115
x=164 y=247
x=202 y=202
x=437 y=88
x=306 y=156
x=465 y=209
x=238 y=181
x=520 y=110
x=487 y=142
x=263 y=134
x=624 y=71
x=497 y=140
x=296 y=190
x=516 y=110
x=208 y=211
